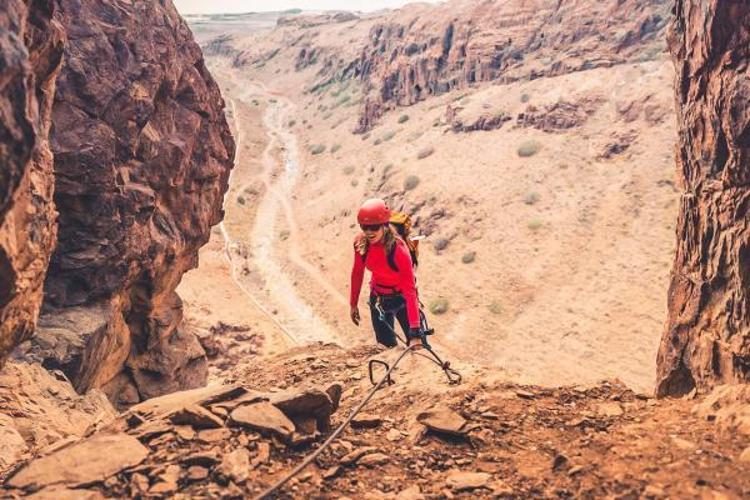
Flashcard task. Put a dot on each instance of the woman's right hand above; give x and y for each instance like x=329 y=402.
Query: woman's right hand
x=354 y=314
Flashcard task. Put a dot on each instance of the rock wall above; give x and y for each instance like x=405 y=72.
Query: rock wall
x=142 y=160
x=30 y=55
x=707 y=338
x=404 y=62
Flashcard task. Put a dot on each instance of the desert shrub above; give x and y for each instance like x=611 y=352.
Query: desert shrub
x=349 y=169
x=468 y=257
x=317 y=149
x=327 y=115
x=525 y=98
x=495 y=307
x=335 y=148
x=439 y=306
x=415 y=135
x=403 y=118
x=411 y=182
x=366 y=136
x=441 y=244
x=377 y=141
x=241 y=200
x=284 y=235
x=292 y=123
x=424 y=153
x=531 y=198
x=272 y=101
x=354 y=182
x=387 y=168
x=535 y=224
x=388 y=135
x=529 y=148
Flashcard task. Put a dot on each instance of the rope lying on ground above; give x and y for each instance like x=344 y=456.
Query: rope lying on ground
x=338 y=431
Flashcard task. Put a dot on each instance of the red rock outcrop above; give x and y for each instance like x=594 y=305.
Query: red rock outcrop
x=142 y=160
x=30 y=55
x=437 y=50
x=707 y=338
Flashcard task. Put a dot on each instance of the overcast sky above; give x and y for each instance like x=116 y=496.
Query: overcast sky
x=216 y=6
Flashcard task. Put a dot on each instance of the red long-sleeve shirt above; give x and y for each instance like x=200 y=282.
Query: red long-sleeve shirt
x=384 y=279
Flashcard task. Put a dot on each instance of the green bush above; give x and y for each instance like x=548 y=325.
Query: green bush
x=411 y=182
x=439 y=306
x=403 y=118
x=529 y=148
x=495 y=307
x=335 y=148
x=469 y=257
x=535 y=224
x=424 y=153
x=317 y=149
x=441 y=244
x=531 y=198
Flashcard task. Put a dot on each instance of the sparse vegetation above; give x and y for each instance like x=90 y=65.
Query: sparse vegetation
x=439 y=306
x=327 y=115
x=354 y=182
x=415 y=135
x=531 y=198
x=387 y=168
x=335 y=148
x=349 y=170
x=292 y=123
x=529 y=148
x=535 y=224
x=495 y=308
x=469 y=257
x=441 y=244
x=366 y=136
x=525 y=98
x=424 y=153
x=241 y=200
x=411 y=182
x=377 y=142
x=284 y=235
x=388 y=135
x=403 y=118
x=317 y=149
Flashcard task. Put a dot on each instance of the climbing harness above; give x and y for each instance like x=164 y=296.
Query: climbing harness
x=453 y=378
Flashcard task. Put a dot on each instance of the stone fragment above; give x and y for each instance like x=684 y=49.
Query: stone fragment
x=352 y=457
x=235 y=466
x=525 y=394
x=459 y=480
x=164 y=406
x=185 y=432
x=197 y=473
x=373 y=459
x=82 y=463
x=214 y=435
x=167 y=481
x=197 y=417
x=263 y=455
x=745 y=456
x=332 y=472
x=203 y=458
x=443 y=420
x=411 y=493
x=59 y=493
x=263 y=417
x=609 y=409
x=394 y=435
x=366 y=421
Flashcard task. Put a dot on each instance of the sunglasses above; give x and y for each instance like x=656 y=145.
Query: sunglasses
x=370 y=227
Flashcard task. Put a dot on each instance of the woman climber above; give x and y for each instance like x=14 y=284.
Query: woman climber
x=393 y=291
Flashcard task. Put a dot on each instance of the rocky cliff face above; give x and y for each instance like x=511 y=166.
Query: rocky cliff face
x=404 y=62
x=30 y=55
x=707 y=339
x=142 y=159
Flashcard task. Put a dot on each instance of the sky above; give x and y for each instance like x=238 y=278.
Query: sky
x=217 y=6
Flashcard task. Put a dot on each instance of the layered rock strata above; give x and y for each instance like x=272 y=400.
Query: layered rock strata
x=707 y=338
x=30 y=57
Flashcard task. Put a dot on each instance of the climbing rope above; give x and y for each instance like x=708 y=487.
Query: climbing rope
x=453 y=377
x=339 y=430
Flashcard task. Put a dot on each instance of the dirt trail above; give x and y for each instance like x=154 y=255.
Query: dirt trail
x=296 y=320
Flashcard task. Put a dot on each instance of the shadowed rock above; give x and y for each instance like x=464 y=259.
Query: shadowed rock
x=30 y=55
x=707 y=338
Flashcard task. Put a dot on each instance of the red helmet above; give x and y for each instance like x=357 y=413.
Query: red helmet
x=373 y=211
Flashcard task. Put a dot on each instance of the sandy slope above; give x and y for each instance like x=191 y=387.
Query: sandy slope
x=572 y=249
